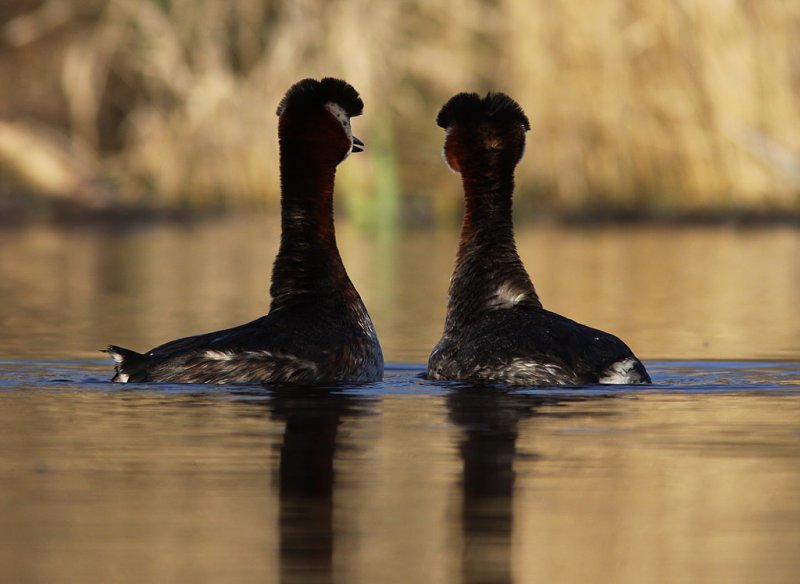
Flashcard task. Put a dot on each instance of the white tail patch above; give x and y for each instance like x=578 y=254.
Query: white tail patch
x=621 y=372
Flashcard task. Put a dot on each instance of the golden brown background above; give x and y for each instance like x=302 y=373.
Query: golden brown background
x=644 y=106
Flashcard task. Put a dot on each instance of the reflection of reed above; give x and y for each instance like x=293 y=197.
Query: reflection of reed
x=671 y=293
x=632 y=102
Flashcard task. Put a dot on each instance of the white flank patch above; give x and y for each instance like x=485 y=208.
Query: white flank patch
x=621 y=372
x=263 y=353
x=523 y=367
x=123 y=377
x=524 y=371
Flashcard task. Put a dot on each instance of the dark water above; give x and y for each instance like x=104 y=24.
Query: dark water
x=695 y=479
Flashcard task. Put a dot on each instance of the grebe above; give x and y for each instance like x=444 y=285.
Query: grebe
x=317 y=329
x=496 y=330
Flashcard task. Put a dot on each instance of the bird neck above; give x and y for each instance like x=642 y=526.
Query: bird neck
x=308 y=267
x=489 y=273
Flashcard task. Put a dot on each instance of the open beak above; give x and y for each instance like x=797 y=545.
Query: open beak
x=358 y=145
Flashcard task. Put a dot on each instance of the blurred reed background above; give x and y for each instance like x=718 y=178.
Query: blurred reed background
x=646 y=106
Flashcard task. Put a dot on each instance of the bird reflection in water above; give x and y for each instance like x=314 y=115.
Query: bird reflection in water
x=489 y=418
x=306 y=478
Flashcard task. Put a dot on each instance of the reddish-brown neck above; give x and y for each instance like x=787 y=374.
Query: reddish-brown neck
x=487 y=258
x=308 y=261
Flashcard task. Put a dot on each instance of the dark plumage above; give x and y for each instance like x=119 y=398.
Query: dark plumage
x=318 y=329
x=471 y=108
x=496 y=330
x=309 y=93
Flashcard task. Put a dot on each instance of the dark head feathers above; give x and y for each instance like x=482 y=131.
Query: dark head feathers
x=471 y=108
x=310 y=92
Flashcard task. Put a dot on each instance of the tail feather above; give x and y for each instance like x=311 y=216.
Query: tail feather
x=125 y=361
x=625 y=371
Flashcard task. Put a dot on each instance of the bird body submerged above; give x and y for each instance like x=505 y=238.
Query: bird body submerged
x=496 y=329
x=318 y=329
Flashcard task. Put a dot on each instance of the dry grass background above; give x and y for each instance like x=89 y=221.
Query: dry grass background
x=646 y=104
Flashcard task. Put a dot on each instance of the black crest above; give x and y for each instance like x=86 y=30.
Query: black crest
x=471 y=108
x=310 y=93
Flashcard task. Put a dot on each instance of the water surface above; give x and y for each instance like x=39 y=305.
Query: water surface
x=671 y=293
x=695 y=479
x=692 y=480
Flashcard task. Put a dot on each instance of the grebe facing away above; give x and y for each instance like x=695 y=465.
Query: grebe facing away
x=318 y=329
x=496 y=330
